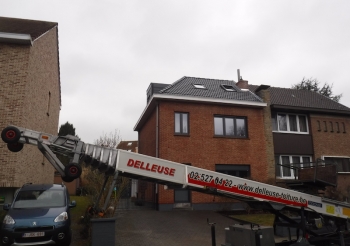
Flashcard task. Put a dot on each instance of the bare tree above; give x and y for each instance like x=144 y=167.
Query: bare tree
x=110 y=140
x=93 y=180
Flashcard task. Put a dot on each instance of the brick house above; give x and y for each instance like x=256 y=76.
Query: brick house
x=206 y=123
x=30 y=96
x=307 y=126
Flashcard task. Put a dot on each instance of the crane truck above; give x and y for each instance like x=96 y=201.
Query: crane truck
x=322 y=221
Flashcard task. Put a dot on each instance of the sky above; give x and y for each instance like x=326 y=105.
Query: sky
x=111 y=50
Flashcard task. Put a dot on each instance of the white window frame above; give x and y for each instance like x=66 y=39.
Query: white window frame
x=288 y=124
x=292 y=174
x=332 y=156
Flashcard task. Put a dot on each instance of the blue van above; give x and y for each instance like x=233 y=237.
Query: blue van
x=38 y=215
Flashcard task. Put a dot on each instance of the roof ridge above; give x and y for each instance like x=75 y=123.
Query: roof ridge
x=210 y=79
x=171 y=85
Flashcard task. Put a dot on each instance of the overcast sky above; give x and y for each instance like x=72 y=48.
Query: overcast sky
x=111 y=50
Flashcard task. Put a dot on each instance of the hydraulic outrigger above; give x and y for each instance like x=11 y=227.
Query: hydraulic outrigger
x=323 y=221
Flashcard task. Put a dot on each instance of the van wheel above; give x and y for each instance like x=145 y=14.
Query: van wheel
x=10 y=134
x=68 y=240
x=15 y=147
x=73 y=171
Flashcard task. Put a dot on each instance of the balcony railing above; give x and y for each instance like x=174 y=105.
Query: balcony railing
x=318 y=172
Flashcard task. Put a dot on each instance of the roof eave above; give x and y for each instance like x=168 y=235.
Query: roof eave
x=210 y=100
x=156 y=97
x=309 y=109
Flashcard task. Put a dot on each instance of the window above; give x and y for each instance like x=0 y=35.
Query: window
x=292 y=123
x=181 y=123
x=39 y=199
x=228 y=87
x=199 y=86
x=285 y=164
x=242 y=171
x=343 y=163
x=230 y=126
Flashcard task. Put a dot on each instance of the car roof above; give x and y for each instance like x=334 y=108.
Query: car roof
x=42 y=187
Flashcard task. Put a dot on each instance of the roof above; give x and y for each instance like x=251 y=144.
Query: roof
x=128 y=145
x=302 y=99
x=212 y=89
x=22 y=26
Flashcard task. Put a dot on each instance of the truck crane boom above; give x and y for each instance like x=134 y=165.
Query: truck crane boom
x=109 y=161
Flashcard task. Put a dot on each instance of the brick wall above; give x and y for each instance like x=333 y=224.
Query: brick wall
x=147 y=136
x=202 y=149
x=271 y=167
x=147 y=146
x=329 y=140
x=71 y=186
x=29 y=77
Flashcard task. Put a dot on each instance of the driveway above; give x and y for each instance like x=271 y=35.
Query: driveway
x=170 y=228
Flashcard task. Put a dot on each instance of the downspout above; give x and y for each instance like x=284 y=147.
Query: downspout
x=157 y=130
x=157 y=152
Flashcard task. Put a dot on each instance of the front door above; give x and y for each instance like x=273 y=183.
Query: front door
x=182 y=196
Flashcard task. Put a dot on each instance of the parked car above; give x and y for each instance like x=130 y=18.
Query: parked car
x=38 y=215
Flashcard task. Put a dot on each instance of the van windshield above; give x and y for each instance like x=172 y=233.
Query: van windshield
x=39 y=199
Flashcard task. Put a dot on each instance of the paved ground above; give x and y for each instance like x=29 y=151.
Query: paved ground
x=170 y=228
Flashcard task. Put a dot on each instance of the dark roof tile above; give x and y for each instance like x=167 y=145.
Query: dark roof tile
x=213 y=89
x=301 y=98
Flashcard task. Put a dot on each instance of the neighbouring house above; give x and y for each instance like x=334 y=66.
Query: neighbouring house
x=207 y=123
x=307 y=127
x=131 y=189
x=30 y=96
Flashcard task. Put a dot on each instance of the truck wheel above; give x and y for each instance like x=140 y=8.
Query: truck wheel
x=10 y=134
x=67 y=179
x=72 y=171
x=15 y=147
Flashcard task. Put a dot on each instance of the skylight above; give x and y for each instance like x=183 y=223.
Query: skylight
x=199 y=86
x=228 y=87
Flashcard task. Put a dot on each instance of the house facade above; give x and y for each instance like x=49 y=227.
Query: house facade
x=30 y=96
x=206 y=123
x=307 y=127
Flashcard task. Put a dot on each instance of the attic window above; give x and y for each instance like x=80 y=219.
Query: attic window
x=199 y=86
x=228 y=88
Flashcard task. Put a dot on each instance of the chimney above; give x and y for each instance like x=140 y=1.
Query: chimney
x=243 y=84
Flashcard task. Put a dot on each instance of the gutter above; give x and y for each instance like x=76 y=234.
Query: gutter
x=15 y=38
x=198 y=99
x=311 y=110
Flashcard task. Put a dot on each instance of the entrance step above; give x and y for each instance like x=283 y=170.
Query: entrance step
x=183 y=206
